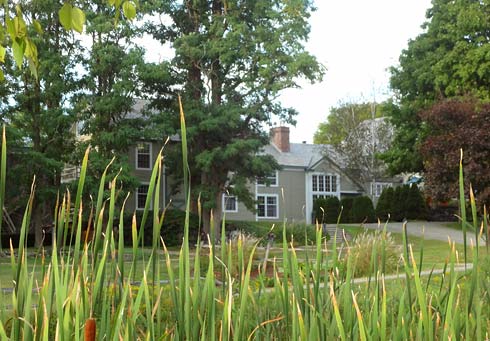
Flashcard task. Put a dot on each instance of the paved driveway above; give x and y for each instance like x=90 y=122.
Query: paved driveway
x=431 y=230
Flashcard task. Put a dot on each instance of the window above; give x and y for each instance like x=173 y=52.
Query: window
x=230 y=203
x=270 y=180
x=141 y=195
x=267 y=206
x=378 y=187
x=321 y=183
x=143 y=156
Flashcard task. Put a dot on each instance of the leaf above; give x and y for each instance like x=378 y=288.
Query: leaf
x=37 y=26
x=30 y=50
x=20 y=27
x=77 y=19
x=129 y=10
x=2 y=54
x=2 y=77
x=10 y=27
x=18 y=50
x=65 y=13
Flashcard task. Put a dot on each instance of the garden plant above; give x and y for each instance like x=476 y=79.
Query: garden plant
x=88 y=291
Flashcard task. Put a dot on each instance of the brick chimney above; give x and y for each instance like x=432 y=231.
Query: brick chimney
x=280 y=138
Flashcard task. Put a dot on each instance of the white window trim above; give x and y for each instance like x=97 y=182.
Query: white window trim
x=137 y=195
x=223 y=203
x=309 y=192
x=265 y=201
x=330 y=193
x=151 y=155
x=271 y=185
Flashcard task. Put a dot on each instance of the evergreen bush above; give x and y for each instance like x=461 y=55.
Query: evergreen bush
x=332 y=210
x=399 y=199
x=362 y=210
x=326 y=210
x=416 y=207
x=319 y=205
x=384 y=207
x=346 y=204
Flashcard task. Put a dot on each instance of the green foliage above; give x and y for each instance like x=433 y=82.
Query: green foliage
x=346 y=204
x=403 y=202
x=416 y=204
x=108 y=109
x=400 y=203
x=326 y=210
x=231 y=61
x=342 y=120
x=172 y=231
x=301 y=234
x=385 y=205
x=39 y=112
x=446 y=61
x=362 y=210
x=367 y=245
x=310 y=295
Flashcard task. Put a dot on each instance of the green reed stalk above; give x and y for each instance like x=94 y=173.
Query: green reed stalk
x=475 y=219
x=462 y=205
x=3 y=174
x=98 y=208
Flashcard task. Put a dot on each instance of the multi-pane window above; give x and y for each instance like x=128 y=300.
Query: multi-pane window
x=378 y=187
x=141 y=195
x=270 y=180
x=143 y=156
x=267 y=206
x=322 y=183
x=230 y=203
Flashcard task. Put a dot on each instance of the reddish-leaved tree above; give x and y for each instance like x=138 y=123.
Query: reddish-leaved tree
x=454 y=125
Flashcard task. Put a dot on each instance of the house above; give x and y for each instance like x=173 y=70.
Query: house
x=308 y=171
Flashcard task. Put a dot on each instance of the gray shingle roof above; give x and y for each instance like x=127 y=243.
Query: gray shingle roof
x=304 y=155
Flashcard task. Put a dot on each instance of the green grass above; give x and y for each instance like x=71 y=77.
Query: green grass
x=310 y=293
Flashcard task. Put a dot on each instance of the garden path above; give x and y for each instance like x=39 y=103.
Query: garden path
x=430 y=230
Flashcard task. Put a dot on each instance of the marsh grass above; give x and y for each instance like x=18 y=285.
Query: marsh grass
x=89 y=290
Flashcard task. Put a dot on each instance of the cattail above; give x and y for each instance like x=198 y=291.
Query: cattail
x=90 y=329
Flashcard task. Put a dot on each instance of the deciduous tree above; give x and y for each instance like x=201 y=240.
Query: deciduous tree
x=454 y=125
x=450 y=59
x=39 y=114
x=232 y=59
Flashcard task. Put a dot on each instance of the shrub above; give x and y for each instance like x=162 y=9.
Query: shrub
x=363 y=247
x=415 y=204
x=362 y=210
x=319 y=205
x=399 y=203
x=172 y=230
x=385 y=204
x=247 y=242
x=301 y=234
x=346 y=204
x=326 y=210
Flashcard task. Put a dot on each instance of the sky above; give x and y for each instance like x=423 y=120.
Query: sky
x=357 y=41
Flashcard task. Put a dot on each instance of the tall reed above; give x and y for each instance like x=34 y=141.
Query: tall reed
x=88 y=288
